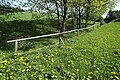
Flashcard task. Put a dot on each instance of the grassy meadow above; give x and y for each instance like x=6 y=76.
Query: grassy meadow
x=91 y=56
x=26 y=24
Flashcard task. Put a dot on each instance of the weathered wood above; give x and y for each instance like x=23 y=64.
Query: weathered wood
x=48 y=35
x=17 y=40
x=61 y=40
x=16 y=46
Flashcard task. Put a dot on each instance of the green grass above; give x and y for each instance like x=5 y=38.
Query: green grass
x=23 y=24
x=92 y=56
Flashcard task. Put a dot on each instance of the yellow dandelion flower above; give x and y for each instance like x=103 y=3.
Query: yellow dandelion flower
x=113 y=73
x=98 y=69
x=111 y=76
x=32 y=75
x=40 y=78
x=10 y=76
x=46 y=60
x=11 y=73
x=84 y=76
x=13 y=67
x=94 y=65
x=4 y=67
x=23 y=70
x=68 y=65
x=72 y=77
x=24 y=63
x=46 y=78
x=7 y=78
x=30 y=66
x=89 y=77
x=46 y=75
x=90 y=73
x=0 y=74
x=116 y=77
x=7 y=70
x=52 y=60
x=53 y=76
x=19 y=69
x=37 y=57
x=77 y=70
x=5 y=61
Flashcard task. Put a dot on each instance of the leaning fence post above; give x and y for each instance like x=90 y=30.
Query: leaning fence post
x=16 y=46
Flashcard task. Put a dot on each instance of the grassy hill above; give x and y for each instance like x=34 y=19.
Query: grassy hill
x=22 y=25
x=92 y=56
x=26 y=24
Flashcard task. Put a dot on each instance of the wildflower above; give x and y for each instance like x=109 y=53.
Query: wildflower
x=30 y=66
x=84 y=76
x=32 y=75
x=116 y=77
x=53 y=76
x=19 y=69
x=7 y=70
x=46 y=60
x=4 y=67
x=10 y=76
x=0 y=74
x=13 y=67
x=113 y=73
x=46 y=78
x=89 y=77
x=24 y=63
x=94 y=65
x=90 y=73
x=7 y=78
x=77 y=69
x=68 y=65
x=19 y=53
x=37 y=57
x=5 y=61
x=40 y=78
x=98 y=69
x=52 y=60
x=72 y=77
x=52 y=55
x=111 y=76
x=11 y=73
x=46 y=75
x=23 y=70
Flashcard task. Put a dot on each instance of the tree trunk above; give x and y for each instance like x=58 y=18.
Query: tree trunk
x=87 y=12
x=64 y=15
x=87 y=16
x=80 y=25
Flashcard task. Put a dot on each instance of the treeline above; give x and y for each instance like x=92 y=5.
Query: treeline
x=77 y=10
x=7 y=9
x=112 y=15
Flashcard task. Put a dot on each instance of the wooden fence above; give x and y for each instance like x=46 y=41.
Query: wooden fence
x=23 y=39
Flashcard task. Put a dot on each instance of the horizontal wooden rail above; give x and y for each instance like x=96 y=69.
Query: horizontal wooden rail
x=17 y=40
x=47 y=35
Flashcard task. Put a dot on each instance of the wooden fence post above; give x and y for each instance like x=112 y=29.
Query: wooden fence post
x=16 y=46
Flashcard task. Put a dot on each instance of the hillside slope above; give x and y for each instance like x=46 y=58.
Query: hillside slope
x=92 y=56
